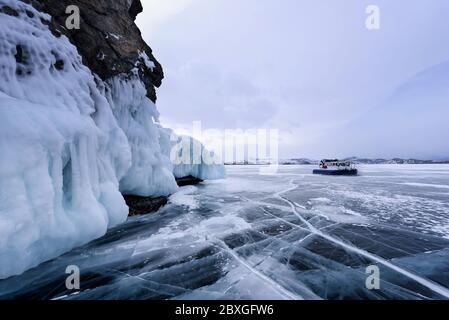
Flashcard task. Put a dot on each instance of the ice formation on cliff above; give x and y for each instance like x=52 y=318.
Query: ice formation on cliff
x=62 y=152
x=70 y=144
x=151 y=171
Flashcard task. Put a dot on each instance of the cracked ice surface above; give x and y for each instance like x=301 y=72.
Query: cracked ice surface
x=288 y=236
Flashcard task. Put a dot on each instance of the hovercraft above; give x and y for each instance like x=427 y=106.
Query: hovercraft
x=336 y=168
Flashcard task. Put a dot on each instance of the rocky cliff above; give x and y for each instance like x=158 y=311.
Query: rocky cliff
x=108 y=40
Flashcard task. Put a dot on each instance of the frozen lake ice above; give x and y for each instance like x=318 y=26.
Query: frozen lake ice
x=292 y=235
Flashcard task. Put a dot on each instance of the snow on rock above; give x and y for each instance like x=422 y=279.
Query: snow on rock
x=109 y=41
x=62 y=152
x=146 y=60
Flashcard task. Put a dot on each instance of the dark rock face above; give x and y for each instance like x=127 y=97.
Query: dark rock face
x=108 y=40
x=188 y=181
x=144 y=205
x=9 y=11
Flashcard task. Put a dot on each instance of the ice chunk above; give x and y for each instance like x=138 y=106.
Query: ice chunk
x=191 y=158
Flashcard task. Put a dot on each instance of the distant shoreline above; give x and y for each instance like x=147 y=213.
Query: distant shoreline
x=363 y=161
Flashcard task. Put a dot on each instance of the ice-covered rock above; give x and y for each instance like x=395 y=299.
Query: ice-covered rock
x=73 y=141
x=151 y=170
x=62 y=152
x=191 y=158
x=108 y=41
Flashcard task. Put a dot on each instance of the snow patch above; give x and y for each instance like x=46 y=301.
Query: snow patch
x=416 y=184
x=185 y=197
x=113 y=35
x=146 y=60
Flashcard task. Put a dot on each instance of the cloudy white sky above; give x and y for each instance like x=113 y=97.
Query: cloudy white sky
x=310 y=69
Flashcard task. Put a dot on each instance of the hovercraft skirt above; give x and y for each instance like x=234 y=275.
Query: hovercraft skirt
x=348 y=172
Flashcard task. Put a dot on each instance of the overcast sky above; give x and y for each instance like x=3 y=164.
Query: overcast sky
x=310 y=69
